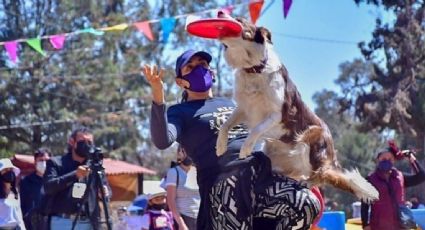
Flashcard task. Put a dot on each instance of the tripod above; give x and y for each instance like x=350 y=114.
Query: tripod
x=96 y=176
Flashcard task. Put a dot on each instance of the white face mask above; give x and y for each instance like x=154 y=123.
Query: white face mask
x=40 y=166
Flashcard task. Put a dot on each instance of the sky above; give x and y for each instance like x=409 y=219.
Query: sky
x=312 y=64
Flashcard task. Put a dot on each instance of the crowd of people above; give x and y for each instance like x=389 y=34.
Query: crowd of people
x=219 y=193
x=57 y=195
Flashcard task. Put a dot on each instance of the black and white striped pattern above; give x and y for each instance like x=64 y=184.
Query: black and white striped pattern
x=290 y=203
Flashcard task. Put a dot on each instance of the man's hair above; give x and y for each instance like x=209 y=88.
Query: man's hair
x=82 y=129
x=41 y=151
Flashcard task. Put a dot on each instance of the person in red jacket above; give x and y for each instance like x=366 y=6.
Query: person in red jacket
x=391 y=184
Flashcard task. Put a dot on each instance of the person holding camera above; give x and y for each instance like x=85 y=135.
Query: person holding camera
x=66 y=182
x=391 y=183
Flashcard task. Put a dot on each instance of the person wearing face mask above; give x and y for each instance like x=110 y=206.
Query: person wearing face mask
x=30 y=188
x=156 y=217
x=10 y=210
x=391 y=184
x=235 y=193
x=183 y=192
x=65 y=183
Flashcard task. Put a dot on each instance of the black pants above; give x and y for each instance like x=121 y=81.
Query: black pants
x=189 y=221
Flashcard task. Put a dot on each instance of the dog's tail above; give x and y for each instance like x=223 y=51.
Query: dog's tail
x=350 y=181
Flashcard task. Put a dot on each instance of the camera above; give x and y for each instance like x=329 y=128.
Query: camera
x=95 y=154
x=407 y=152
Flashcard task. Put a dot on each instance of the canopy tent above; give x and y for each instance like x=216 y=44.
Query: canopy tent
x=125 y=179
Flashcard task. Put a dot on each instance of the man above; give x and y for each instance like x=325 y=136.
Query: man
x=31 y=186
x=70 y=196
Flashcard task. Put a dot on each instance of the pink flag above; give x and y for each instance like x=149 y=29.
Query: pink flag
x=57 y=41
x=12 y=50
x=286 y=6
x=144 y=28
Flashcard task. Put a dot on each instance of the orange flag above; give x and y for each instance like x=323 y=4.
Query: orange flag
x=255 y=9
x=144 y=28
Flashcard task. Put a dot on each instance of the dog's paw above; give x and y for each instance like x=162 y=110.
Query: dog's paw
x=365 y=191
x=221 y=146
x=246 y=150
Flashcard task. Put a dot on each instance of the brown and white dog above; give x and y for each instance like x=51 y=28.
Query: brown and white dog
x=298 y=143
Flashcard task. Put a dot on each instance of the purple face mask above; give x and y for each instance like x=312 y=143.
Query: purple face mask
x=200 y=79
x=385 y=165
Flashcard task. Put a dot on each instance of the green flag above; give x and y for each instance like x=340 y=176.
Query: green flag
x=35 y=43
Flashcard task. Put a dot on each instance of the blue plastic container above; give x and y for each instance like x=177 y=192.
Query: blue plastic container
x=332 y=221
x=419 y=215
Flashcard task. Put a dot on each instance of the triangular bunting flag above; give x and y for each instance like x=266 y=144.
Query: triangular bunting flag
x=92 y=31
x=167 y=25
x=145 y=29
x=12 y=50
x=35 y=43
x=57 y=41
x=286 y=6
x=255 y=9
x=122 y=26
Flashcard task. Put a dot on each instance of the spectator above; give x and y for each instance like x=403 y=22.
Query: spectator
x=65 y=183
x=408 y=204
x=356 y=207
x=391 y=184
x=331 y=206
x=31 y=187
x=10 y=209
x=416 y=204
x=156 y=217
x=182 y=192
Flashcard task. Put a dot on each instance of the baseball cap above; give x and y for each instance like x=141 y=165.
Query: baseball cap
x=184 y=58
x=6 y=163
x=139 y=203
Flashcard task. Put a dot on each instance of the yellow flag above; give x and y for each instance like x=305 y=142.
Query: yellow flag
x=122 y=26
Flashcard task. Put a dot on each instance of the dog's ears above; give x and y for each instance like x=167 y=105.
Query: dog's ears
x=262 y=35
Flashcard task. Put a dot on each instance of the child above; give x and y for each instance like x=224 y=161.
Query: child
x=156 y=217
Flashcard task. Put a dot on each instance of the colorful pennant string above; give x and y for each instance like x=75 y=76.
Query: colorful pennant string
x=286 y=6
x=12 y=50
x=92 y=31
x=145 y=29
x=118 y=27
x=167 y=26
x=255 y=10
x=57 y=41
x=35 y=43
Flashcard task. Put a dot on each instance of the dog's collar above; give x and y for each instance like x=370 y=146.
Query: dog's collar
x=257 y=68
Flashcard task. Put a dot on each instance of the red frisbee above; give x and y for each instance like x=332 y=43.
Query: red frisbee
x=215 y=28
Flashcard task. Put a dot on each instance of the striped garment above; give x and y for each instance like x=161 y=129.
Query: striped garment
x=187 y=197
